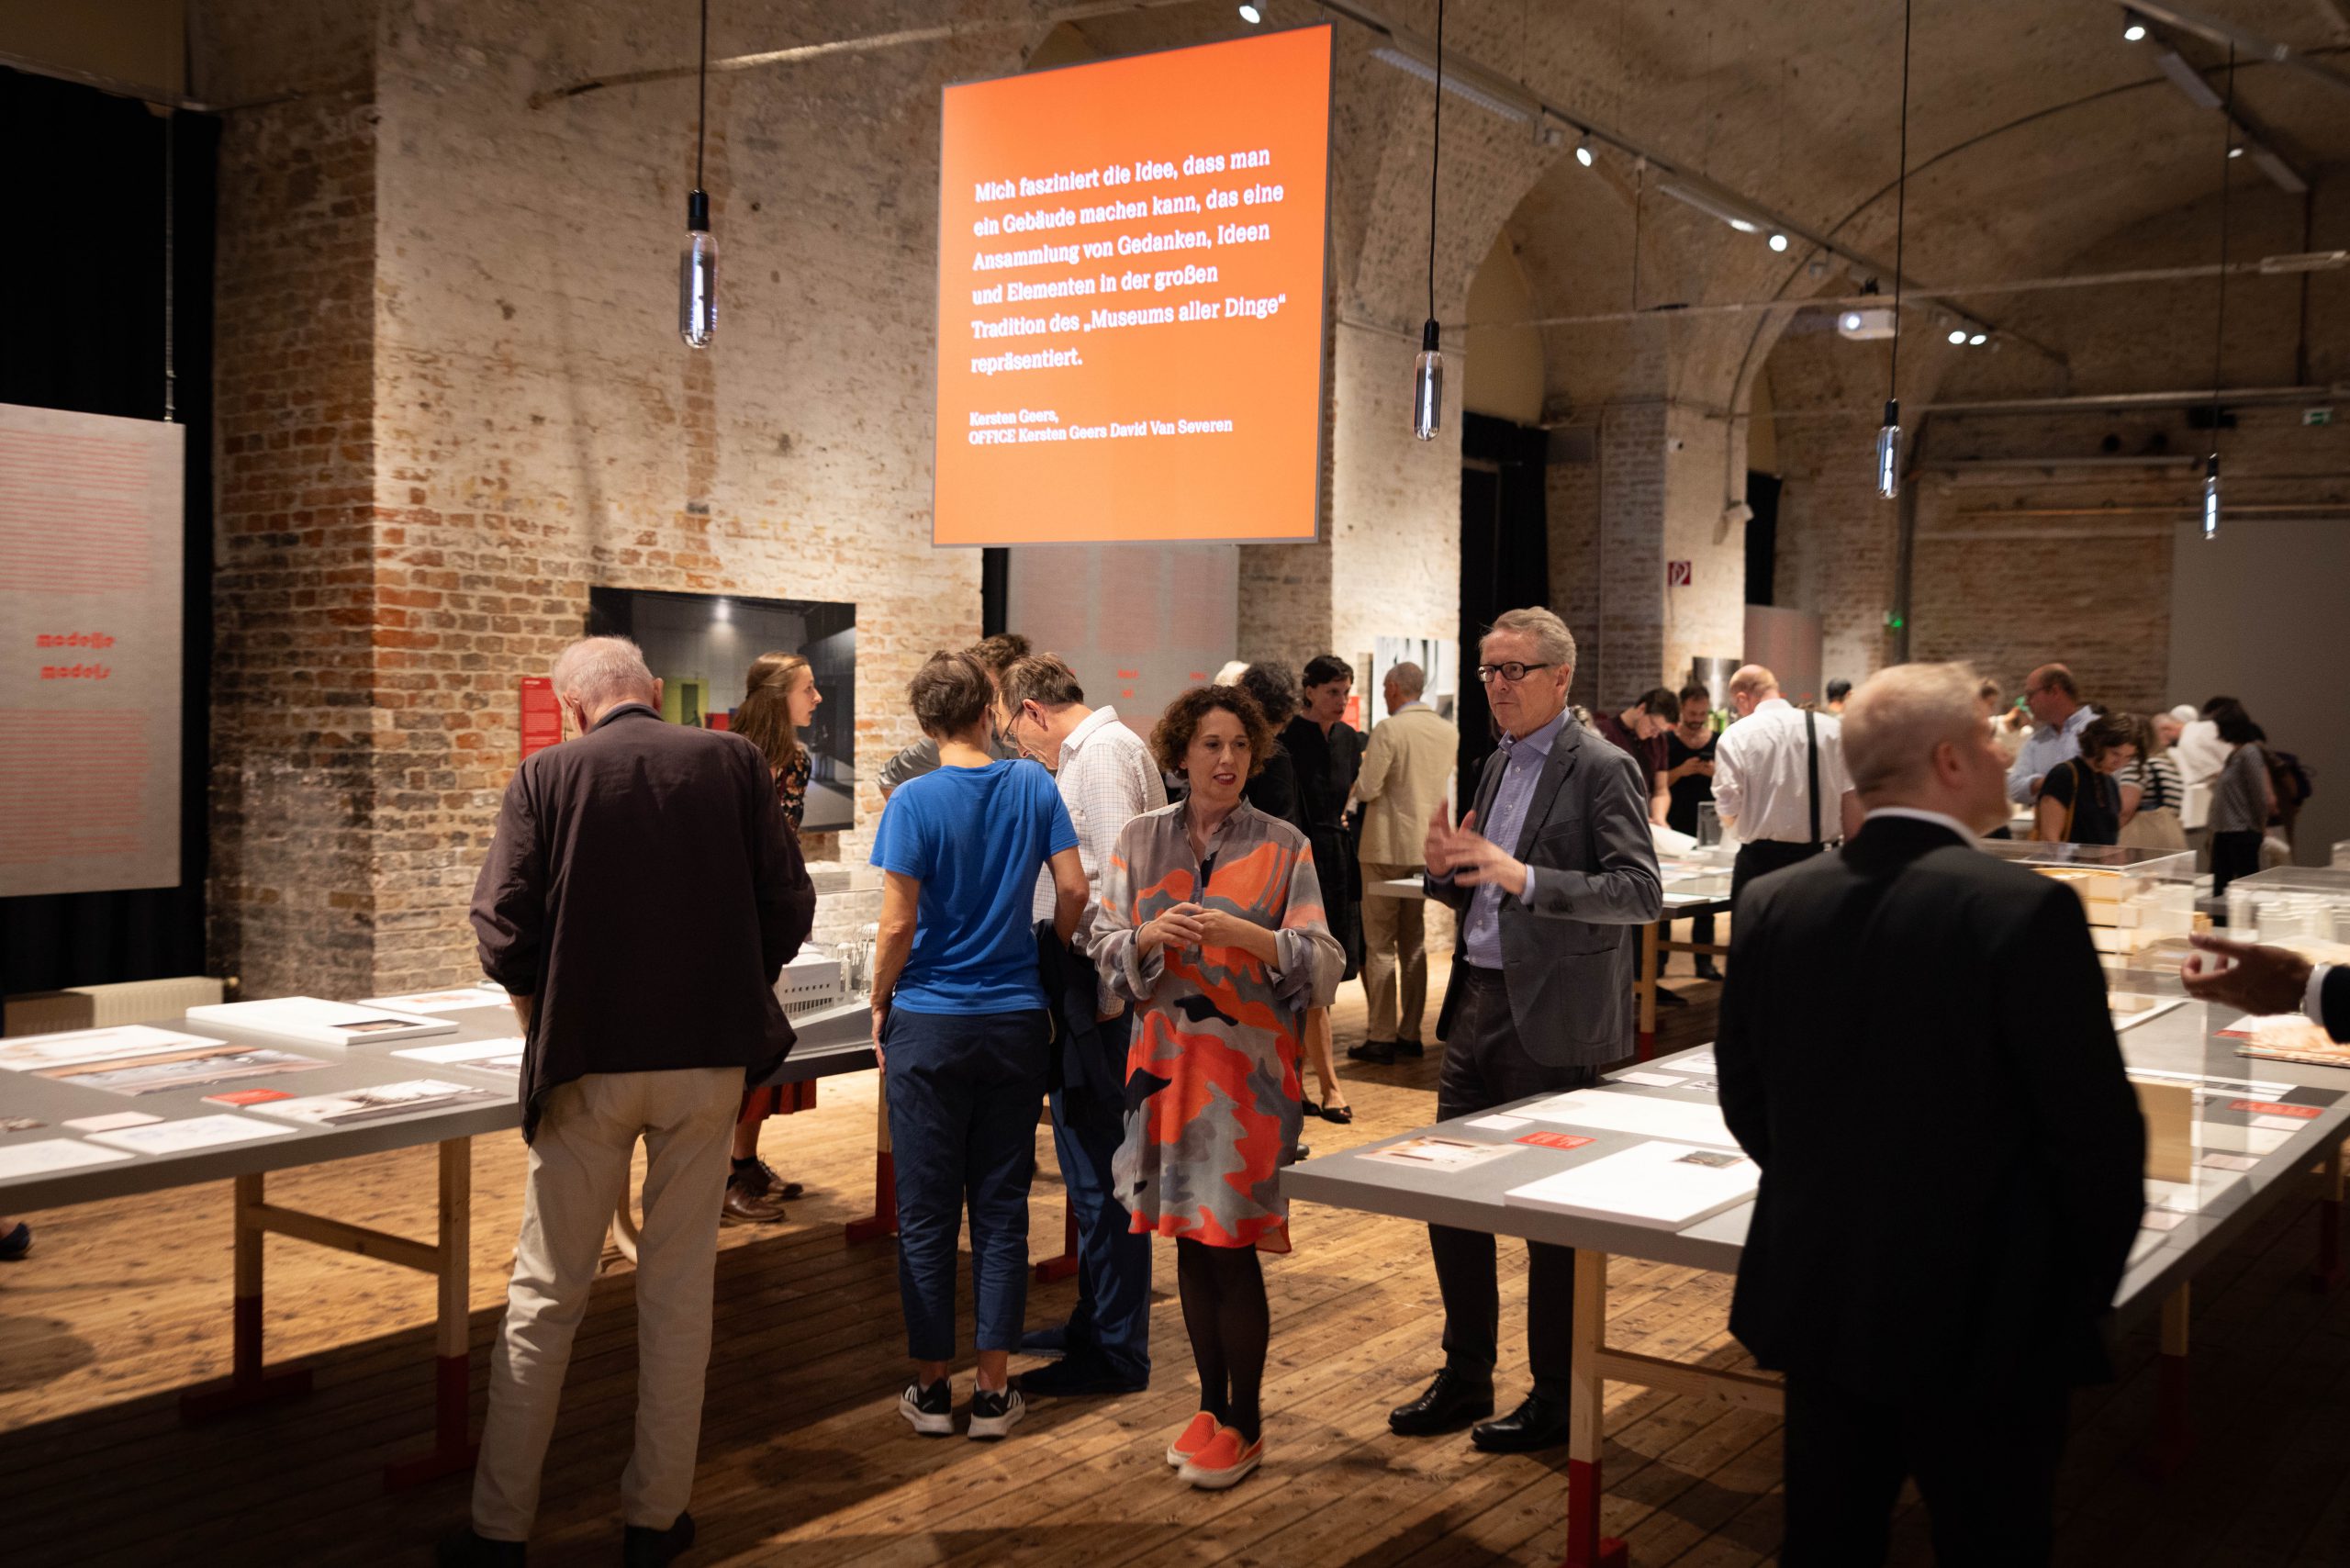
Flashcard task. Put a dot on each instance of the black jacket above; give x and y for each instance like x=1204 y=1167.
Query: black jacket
x=644 y=887
x=1916 y=1048
x=1082 y=1058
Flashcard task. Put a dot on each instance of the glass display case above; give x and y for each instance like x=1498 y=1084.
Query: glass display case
x=2306 y=908
x=1704 y=871
x=2140 y=902
x=2342 y=854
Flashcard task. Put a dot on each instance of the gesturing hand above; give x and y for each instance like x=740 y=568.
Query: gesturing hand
x=2261 y=980
x=1436 y=849
x=1471 y=857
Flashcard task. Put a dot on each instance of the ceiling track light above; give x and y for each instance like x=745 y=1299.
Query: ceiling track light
x=1712 y=206
x=2133 y=27
x=1251 y=14
x=1779 y=242
x=1427 y=370
x=1495 y=98
x=697 y=263
x=1585 y=153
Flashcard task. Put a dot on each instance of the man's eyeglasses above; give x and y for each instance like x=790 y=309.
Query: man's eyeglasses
x=1512 y=672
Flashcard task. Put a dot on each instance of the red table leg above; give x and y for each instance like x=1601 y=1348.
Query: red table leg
x=248 y=1384
x=452 y=1448
x=883 y=1220
x=1062 y=1267
x=2167 y=1453
x=1586 y=1548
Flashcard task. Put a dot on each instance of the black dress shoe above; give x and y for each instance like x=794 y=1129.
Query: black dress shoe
x=1708 y=972
x=1539 y=1423
x=1410 y=1049
x=1081 y=1376
x=1379 y=1053
x=1669 y=998
x=1451 y=1402
x=642 y=1546
x=467 y=1550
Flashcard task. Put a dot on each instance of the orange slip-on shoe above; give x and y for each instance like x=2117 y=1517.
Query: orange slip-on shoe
x=1194 y=1437
x=1225 y=1461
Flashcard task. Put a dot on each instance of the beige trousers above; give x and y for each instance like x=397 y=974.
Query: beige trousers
x=579 y=1169
x=1394 y=936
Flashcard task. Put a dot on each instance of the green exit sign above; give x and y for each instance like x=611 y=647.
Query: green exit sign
x=2316 y=416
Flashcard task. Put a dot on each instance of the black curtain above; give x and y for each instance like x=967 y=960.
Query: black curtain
x=82 y=328
x=995 y=589
x=1505 y=557
x=1762 y=537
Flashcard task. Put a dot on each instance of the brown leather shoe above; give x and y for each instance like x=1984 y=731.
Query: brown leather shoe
x=745 y=1206
x=759 y=1179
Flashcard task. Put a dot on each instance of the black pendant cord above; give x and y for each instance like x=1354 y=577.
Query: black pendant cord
x=1900 y=209
x=171 y=263
x=2220 y=333
x=701 y=101
x=1435 y=152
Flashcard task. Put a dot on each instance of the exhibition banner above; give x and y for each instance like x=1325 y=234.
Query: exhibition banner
x=1131 y=273
x=90 y=526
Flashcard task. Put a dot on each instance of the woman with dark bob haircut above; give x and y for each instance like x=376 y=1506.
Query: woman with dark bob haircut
x=960 y=1026
x=1211 y=922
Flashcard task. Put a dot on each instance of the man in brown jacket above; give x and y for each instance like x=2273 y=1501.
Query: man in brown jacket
x=1407 y=770
x=641 y=896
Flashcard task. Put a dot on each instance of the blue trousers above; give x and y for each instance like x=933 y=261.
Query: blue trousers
x=1112 y=1316
x=963 y=1096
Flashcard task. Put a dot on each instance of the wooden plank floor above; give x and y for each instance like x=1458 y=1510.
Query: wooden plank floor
x=805 y=1461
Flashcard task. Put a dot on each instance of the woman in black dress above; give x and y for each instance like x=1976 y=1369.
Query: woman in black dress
x=1282 y=789
x=2080 y=800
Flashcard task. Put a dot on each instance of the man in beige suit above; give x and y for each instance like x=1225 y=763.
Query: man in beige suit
x=1406 y=768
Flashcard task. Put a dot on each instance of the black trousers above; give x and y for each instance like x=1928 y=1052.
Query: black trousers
x=1984 y=1462
x=2234 y=855
x=1761 y=857
x=1484 y=1066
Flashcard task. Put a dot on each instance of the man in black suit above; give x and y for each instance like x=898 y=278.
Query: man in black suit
x=2265 y=980
x=1915 y=1048
x=1553 y=872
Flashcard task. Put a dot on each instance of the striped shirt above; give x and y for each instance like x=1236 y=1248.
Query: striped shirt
x=2159 y=777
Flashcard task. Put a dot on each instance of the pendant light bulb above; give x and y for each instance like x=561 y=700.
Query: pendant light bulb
x=2212 y=497
x=1428 y=386
x=1888 y=451
x=698 y=276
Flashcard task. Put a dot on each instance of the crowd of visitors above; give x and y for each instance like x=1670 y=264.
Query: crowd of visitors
x=1146 y=934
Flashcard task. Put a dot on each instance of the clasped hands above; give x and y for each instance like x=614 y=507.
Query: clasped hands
x=1184 y=926
x=1470 y=857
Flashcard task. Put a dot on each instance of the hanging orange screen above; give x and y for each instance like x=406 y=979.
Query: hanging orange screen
x=1130 y=298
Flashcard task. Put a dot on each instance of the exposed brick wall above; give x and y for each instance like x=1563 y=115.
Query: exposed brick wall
x=297 y=623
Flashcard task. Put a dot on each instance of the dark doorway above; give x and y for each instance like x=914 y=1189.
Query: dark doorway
x=1762 y=537
x=1504 y=556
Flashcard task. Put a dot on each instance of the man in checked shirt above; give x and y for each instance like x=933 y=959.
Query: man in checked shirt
x=1106 y=778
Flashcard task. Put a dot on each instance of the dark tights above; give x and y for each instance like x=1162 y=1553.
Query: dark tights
x=1225 y=1312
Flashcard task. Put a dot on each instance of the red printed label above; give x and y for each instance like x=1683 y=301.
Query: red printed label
x=248 y=1097
x=2268 y=1108
x=542 y=715
x=1555 y=1140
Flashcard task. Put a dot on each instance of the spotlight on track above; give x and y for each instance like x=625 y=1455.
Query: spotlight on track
x=1251 y=14
x=2133 y=27
x=1778 y=242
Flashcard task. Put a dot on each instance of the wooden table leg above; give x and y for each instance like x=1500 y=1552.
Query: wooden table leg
x=247 y=1382
x=452 y=1448
x=1644 y=992
x=883 y=1220
x=1586 y=1405
x=2167 y=1453
x=2328 y=1272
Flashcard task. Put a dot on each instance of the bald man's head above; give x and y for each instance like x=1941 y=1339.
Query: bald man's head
x=1914 y=736
x=1752 y=685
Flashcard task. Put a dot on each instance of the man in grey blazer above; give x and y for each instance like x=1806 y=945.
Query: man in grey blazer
x=1553 y=873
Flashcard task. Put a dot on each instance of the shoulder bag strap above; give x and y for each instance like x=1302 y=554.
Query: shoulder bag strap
x=1811 y=739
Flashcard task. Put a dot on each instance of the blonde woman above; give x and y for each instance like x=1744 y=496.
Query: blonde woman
x=778 y=699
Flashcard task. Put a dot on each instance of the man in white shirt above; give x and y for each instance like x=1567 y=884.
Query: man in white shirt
x=1106 y=779
x=2201 y=753
x=1407 y=766
x=2058 y=717
x=1779 y=779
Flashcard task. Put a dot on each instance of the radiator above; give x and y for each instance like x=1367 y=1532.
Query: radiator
x=104 y=1006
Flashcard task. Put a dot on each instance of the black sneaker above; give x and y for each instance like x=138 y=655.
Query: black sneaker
x=931 y=1410
x=995 y=1412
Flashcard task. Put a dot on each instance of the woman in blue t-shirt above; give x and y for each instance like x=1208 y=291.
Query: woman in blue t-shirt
x=960 y=1020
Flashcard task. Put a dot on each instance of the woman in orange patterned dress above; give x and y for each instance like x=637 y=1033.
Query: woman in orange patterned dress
x=1210 y=921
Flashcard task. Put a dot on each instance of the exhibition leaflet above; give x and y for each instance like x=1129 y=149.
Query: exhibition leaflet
x=1648 y=1116
x=313 y=1022
x=194 y=1132
x=51 y=1154
x=498 y=1056
x=1658 y=1184
x=379 y=1101
x=1431 y=1153
x=35 y=1053
x=458 y=998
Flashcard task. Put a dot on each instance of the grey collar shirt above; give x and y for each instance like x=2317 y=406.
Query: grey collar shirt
x=1481 y=934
